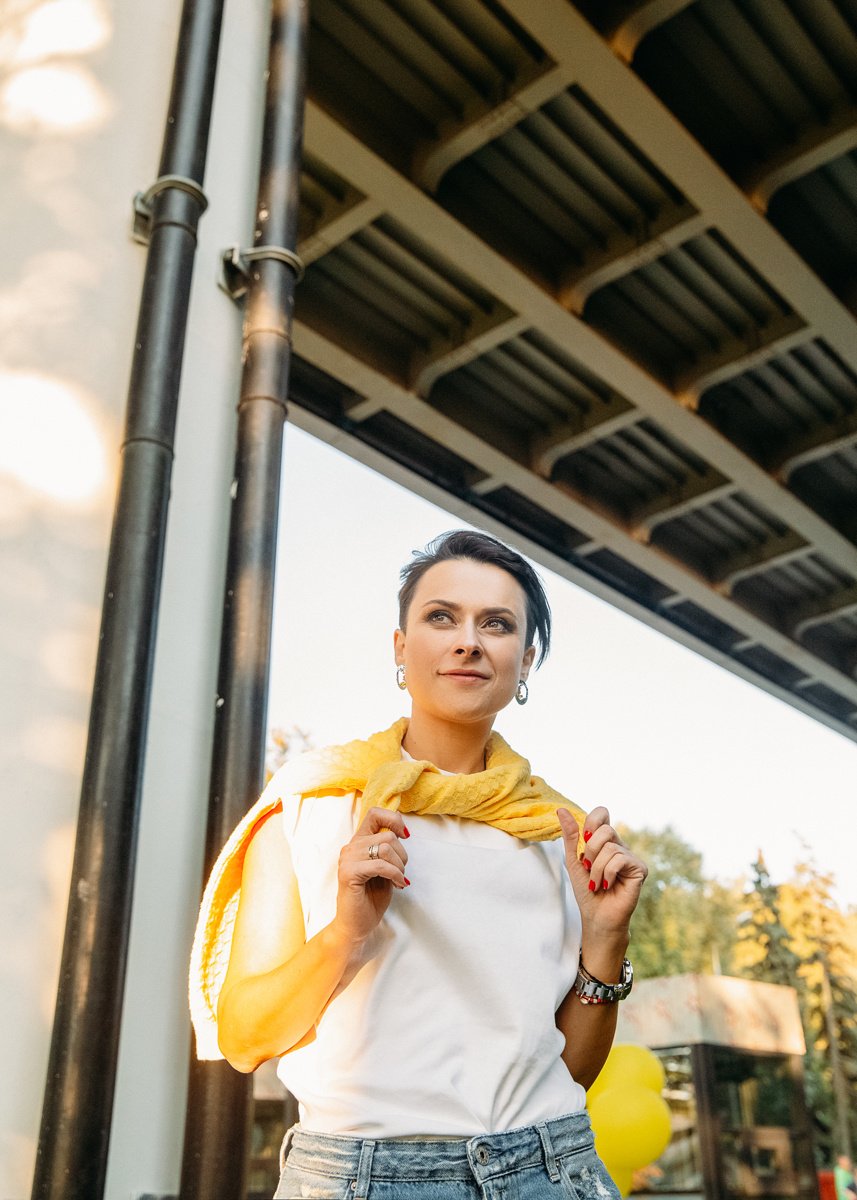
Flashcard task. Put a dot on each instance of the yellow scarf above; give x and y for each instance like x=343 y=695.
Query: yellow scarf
x=504 y=795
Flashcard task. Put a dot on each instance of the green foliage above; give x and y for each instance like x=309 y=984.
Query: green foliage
x=685 y=922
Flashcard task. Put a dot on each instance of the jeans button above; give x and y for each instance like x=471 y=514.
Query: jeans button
x=482 y=1155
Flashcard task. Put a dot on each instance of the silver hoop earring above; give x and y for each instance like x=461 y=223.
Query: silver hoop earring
x=400 y=676
x=522 y=692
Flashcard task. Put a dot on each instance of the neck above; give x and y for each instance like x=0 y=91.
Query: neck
x=447 y=744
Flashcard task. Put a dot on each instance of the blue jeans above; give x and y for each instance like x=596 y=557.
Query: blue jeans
x=554 y=1160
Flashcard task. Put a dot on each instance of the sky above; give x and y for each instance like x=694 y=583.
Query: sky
x=619 y=714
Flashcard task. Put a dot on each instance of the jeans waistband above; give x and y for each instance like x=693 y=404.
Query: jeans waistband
x=482 y=1156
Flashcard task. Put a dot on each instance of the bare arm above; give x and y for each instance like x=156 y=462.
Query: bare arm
x=606 y=913
x=278 y=983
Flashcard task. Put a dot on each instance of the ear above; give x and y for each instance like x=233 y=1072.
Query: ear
x=527 y=662
x=399 y=647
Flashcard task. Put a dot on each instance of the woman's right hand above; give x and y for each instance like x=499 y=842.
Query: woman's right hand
x=366 y=884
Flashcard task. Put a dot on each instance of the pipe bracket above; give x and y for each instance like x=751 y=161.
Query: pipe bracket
x=143 y=201
x=235 y=266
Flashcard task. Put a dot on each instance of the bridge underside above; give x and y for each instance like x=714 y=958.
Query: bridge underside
x=593 y=284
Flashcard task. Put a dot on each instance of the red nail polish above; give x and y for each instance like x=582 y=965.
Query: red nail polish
x=587 y=864
x=592 y=885
x=587 y=834
x=407 y=882
x=605 y=884
x=407 y=831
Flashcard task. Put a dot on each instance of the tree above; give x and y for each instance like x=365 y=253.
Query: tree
x=764 y=950
x=823 y=938
x=684 y=922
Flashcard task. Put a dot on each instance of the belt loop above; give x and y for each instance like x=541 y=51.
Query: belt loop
x=285 y=1147
x=547 y=1147
x=364 y=1170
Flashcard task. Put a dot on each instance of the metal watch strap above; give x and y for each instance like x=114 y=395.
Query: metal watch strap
x=592 y=991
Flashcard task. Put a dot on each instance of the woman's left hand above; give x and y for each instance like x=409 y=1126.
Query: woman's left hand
x=607 y=877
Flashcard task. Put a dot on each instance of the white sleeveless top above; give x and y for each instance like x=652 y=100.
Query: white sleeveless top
x=448 y=1028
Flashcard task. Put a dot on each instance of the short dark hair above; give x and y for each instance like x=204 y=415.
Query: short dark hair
x=481 y=547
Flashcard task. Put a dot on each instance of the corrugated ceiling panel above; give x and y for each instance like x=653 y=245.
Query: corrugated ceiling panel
x=524 y=387
x=747 y=77
x=777 y=408
x=685 y=306
x=397 y=72
x=818 y=215
x=558 y=186
x=384 y=294
x=631 y=468
x=719 y=532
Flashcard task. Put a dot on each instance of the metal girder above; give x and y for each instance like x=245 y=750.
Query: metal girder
x=741 y=354
x=420 y=486
x=359 y=375
x=601 y=421
x=696 y=492
x=572 y=42
x=452 y=241
x=483 y=123
x=837 y=604
x=485 y=331
x=820 y=144
x=775 y=552
x=338 y=224
x=819 y=443
x=628 y=252
x=646 y=16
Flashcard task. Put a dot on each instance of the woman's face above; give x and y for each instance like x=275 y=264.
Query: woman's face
x=465 y=646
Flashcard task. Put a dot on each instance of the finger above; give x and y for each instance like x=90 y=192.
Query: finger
x=598 y=817
x=604 y=867
x=383 y=838
x=377 y=819
x=364 y=870
x=571 y=836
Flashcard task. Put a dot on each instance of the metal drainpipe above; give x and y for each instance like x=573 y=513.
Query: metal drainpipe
x=71 y=1159
x=219 y=1098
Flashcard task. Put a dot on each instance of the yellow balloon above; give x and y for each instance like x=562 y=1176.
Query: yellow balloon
x=621 y=1176
x=629 y=1064
x=632 y=1125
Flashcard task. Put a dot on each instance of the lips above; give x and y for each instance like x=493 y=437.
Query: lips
x=466 y=674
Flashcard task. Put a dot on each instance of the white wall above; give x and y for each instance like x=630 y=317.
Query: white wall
x=83 y=97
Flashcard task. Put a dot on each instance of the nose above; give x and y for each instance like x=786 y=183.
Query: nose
x=468 y=645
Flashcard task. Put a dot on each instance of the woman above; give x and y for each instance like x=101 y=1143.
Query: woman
x=429 y=938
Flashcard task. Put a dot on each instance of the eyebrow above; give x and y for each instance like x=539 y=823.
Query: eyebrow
x=494 y=610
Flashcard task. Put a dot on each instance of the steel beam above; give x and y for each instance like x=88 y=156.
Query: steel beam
x=698 y=491
x=338 y=224
x=841 y=603
x=603 y=419
x=362 y=377
x=819 y=443
x=741 y=354
x=646 y=16
x=451 y=241
x=572 y=42
x=625 y=253
x=485 y=331
x=820 y=144
x=775 y=552
x=484 y=122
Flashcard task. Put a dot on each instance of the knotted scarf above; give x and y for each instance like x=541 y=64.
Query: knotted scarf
x=504 y=795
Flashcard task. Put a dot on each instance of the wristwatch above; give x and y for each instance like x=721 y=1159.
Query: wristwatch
x=593 y=991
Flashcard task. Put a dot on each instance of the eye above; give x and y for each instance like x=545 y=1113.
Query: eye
x=500 y=623
x=438 y=616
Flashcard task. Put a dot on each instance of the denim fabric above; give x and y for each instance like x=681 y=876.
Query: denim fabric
x=555 y=1160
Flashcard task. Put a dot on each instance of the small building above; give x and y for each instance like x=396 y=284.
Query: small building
x=732 y=1051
